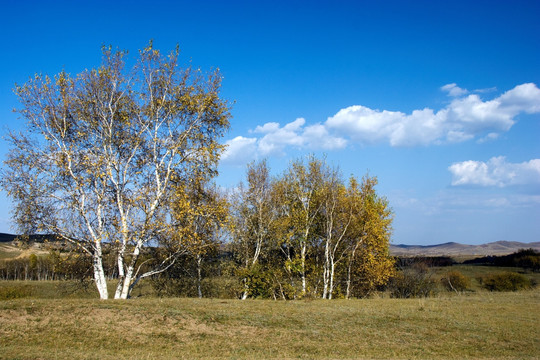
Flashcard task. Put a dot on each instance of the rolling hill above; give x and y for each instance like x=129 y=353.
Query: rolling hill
x=446 y=249
x=454 y=249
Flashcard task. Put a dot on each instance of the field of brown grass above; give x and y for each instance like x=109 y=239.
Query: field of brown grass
x=480 y=325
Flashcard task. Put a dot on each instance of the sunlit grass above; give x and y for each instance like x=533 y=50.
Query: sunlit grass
x=479 y=325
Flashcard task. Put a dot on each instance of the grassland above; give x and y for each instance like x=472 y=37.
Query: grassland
x=64 y=320
x=479 y=325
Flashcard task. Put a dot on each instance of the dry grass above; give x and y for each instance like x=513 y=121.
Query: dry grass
x=481 y=325
x=9 y=251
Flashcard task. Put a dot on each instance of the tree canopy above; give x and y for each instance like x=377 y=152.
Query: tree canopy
x=119 y=162
x=108 y=155
x=309 y=233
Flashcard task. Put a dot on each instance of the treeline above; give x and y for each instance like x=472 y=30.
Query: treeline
x=63 y=262
x=429 y=261
x=304 y=233
x=525 y=258
x=307 y=232
x=54 y=266
x=50 y=267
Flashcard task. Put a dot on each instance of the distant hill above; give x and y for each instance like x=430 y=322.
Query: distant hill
x=9 y=249
x=7 y=237
x=454 y=249
x=32 y=238
x=446 y=249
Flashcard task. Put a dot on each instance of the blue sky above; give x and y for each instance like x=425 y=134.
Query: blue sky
x=439 y=100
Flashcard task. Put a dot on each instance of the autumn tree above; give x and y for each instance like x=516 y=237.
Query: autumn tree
x=309 y=221
x=298 y=198
x=368 y=263
x=337 y=214
x=199 y=213
x=253 y=213
x=104 y=154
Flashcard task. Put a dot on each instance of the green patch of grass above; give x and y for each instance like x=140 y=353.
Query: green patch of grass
x=474 y=326
x=69 y=289
x=476 y=272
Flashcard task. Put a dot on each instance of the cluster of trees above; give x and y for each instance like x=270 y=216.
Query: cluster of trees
x=120 y=161
x=524 y=258
x=54 y=266
x=304 y=233
x=308 y=232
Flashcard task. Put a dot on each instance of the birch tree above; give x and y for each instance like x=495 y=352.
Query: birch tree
x=337 y=214
x=368 y=261
x=199 y=215
x=104 y=151
x=254 y=217
x=300 y=203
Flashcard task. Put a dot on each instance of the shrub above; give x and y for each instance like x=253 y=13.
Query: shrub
x=14 y=292
x=412 y=282
x=455 y=281
x=506 y=281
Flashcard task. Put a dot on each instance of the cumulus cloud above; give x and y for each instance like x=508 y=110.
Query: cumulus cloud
x=454 y=90
x=240 y=150
x=275 y=139
x=465 y=118
x=495 y=172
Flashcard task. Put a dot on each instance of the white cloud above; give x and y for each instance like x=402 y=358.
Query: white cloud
x=240 y=150
x=454 y=90
x=463 y=119
x=489 y=137
x=276 y=139
x=466 y=117
x=496 y=172
x=317 y=137
x=485 y=90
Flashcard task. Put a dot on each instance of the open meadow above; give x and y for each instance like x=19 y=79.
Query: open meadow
x=476 y=325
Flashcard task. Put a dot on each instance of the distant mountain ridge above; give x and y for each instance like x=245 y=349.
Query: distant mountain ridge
x=446 y=249
x=7 y=237
x=33 y=238
x=453 y=249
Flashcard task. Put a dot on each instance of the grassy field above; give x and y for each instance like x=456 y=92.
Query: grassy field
x=471 y=326
x=474 y=272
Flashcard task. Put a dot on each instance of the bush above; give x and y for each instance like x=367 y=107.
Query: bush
x=14 y=292
x=506 y=281
x=455 y=281
x=412 y=282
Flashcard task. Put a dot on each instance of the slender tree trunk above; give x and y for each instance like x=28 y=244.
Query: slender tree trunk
x=199 y=277
x=331 y=287
x=99 y=273
x=348 y=292
x=246 y=288
x=129 y=274
x=124 y=294
x=303 y=260
x=121 y=274
x=326 y=269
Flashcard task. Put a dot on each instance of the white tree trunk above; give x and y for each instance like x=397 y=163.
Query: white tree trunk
x=99 y=276
x=124 y=294
x=326 y=269
x=199 y=277
x=303 y=259
x=126 y=283
x=246 y=288
x=331 y=286
x=121 y=275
